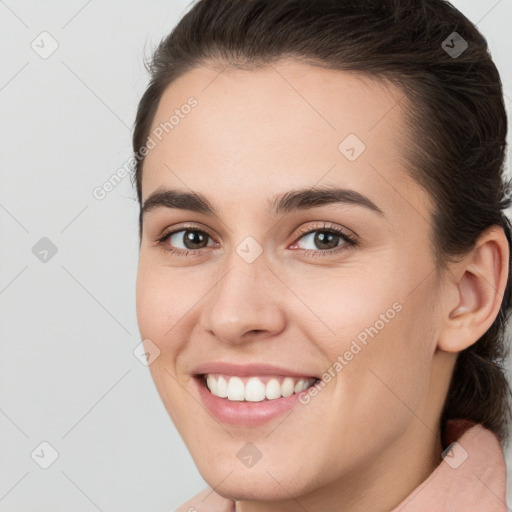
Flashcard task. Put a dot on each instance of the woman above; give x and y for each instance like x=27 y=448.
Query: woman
x=324 y=257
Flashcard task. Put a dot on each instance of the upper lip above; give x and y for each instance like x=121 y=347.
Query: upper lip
x=246 y=370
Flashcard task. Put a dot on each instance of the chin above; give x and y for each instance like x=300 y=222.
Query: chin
x=265 y=483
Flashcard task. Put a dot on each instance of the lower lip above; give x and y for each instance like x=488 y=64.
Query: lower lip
x=244 y=413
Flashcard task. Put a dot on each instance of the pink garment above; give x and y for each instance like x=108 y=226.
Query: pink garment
x=471 y=478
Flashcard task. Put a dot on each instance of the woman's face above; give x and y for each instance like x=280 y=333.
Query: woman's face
x=268 y=281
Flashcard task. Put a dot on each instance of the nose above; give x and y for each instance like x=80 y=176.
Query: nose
x=246 y=302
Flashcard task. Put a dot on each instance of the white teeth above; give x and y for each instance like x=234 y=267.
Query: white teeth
x=287 y=387
x=217 y=386
x=300 y=386
x=255 y=390
x=273 y=389
x=236 y=389
x=222 y=387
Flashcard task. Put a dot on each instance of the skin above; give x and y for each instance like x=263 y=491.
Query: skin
x=371 y=436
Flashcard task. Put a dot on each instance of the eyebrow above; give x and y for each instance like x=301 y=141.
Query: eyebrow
x=290 y=201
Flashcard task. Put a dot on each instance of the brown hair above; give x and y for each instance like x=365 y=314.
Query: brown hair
x=454 y=110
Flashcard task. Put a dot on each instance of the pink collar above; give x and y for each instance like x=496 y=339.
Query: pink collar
x=471 y=477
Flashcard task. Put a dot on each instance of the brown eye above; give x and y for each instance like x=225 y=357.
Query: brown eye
x=189 y=239
x=195 y=239
x=324 y=239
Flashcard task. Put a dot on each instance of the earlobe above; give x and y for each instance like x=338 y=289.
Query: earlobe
x=479 y=281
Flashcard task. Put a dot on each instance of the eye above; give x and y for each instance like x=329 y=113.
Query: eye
x=185 y=241
x=325 y=239
x=320 y=241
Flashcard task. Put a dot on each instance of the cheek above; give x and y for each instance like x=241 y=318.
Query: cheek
x=391 y=372
x=160 y=305
x=380 y=387
x=159 y=296
x=158 y=301
x=353 y=306
x=381 y=351
x=168 y=301
x=147 y=304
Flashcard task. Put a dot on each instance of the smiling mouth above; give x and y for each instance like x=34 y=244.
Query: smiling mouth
x=254 y=389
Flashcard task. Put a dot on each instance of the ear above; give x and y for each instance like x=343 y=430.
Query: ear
x=475 y=291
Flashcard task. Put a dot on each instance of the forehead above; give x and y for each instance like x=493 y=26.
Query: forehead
x=282 y=126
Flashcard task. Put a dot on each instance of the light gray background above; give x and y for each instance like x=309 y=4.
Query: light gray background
x=68 y=326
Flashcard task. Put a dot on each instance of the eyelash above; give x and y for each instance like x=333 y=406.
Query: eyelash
x=350 y=241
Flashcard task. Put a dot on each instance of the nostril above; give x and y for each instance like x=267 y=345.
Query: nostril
x=255 y=331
